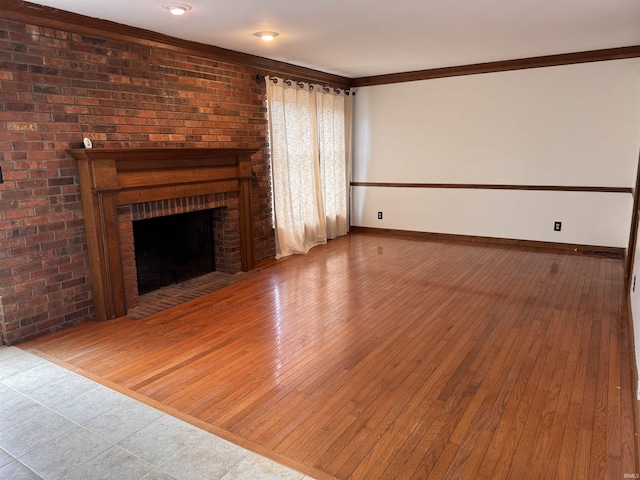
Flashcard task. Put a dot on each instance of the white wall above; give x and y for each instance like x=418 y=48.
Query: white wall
x=570 y=125
x=587 y=218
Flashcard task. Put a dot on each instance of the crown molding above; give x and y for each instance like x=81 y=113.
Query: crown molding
x=501 y=66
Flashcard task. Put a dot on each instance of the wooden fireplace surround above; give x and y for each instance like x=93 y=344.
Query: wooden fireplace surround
x=113 y=177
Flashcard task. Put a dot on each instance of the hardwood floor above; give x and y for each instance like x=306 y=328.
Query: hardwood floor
x=382 y=356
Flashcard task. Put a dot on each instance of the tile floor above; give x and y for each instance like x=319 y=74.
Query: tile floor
x=55 y=424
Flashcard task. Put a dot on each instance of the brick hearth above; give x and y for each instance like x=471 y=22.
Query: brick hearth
x=177 y=294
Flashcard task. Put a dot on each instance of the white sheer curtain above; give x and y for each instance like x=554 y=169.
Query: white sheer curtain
x=310 y=157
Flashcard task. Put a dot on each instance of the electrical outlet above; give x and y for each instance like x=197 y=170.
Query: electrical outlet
x=557 y=226
x=379 y=215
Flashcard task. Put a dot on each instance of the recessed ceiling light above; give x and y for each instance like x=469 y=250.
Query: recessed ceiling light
x=177 y=8
x=266 y=36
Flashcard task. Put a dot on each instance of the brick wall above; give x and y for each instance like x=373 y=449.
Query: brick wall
x=57 y=86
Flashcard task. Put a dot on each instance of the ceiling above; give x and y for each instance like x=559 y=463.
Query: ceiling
x=360 y=38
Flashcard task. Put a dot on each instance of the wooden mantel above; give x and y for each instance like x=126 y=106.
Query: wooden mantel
x=113 y=177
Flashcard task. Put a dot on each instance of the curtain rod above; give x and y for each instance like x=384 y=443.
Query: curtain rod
x=262 y=78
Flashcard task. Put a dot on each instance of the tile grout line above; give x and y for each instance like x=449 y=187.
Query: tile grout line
x=76 y=425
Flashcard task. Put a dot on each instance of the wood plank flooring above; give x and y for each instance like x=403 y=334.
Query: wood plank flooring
x=390 y=357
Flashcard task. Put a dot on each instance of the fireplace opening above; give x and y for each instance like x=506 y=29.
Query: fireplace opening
x=173 y=248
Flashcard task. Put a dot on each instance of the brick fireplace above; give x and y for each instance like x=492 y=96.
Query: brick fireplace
x=120 y=186
x=71 y=80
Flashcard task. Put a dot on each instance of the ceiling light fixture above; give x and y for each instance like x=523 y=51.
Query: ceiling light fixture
x=177 y=8
x=266 y=36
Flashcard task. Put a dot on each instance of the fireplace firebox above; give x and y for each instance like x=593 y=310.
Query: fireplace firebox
x=172 y=249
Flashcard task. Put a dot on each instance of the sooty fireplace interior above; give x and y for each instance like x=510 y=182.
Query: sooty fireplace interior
x=173 y=248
